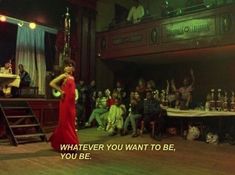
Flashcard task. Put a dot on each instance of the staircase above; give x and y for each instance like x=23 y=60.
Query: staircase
x=22 y=126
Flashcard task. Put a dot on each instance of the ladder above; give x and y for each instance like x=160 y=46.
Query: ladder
x=22 y=126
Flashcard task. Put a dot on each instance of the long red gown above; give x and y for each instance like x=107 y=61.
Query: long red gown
x=65 y=132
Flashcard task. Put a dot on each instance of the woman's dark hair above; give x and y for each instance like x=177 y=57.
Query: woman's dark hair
x=69 y=62
x=119 y=101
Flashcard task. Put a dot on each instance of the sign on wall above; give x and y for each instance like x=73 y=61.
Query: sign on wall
x=188 y=29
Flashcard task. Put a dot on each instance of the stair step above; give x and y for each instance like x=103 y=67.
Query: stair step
x=15 y=107
x=23 y=126
x=20 y=116
x=15 y=115
x=29 y=135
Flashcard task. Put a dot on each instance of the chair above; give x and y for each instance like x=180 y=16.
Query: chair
x=31 y=91
x=152 y=126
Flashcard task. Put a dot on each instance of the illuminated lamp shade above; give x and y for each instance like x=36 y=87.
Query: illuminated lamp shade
x=2 y=18
x=32 y=25
x=20 y=24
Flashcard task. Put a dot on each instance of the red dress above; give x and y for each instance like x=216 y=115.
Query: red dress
x=65 y=132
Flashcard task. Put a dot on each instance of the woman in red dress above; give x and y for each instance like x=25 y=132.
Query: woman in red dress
x=65 y=132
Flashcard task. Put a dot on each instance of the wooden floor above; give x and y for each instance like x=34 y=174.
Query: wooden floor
x=26 y=99
x=189 y=158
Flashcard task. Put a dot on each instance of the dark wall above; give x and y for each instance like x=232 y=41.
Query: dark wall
x=7 y=42
x=50 y=51
x=50 y=13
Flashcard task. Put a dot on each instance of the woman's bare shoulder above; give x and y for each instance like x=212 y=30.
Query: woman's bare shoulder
x=64 y=75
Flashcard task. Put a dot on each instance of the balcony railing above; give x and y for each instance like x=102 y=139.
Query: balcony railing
x=194 y=27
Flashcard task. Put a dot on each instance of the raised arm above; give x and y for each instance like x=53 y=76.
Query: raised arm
x=130 y=14
x=167 y=86
x=173 y=85
x=192 y=76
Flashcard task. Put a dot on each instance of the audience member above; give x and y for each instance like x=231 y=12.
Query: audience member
x=136 y=12
x=166 y=9
x=140 y=88
x=101 y=108
x=152 y=111
x=25 y=79
x=150 y=86
x=91 y=93
x=135 y=113
x=7 y=69
x=115 y=117
x=81 y=103
x=185 y=92
x=120 y=90
x=172 y=94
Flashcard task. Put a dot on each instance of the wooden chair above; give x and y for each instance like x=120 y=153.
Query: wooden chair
x=152 y=126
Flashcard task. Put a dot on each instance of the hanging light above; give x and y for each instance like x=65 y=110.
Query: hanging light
x=32 y=25
x=20 y=23
x=2 y=18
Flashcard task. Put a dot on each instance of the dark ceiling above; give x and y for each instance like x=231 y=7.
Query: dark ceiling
x=45 y=12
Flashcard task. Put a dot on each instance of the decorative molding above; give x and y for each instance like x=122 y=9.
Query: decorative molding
x=132 y=38
x=205 y=29
x=155 y=35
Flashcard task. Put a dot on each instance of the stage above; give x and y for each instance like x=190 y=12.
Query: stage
x=189 y=158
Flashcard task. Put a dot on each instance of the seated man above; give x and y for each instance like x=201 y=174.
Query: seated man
x=25 y=79
x=135 y=113
x=136 y=12
x=152 y=112
x=101 y=107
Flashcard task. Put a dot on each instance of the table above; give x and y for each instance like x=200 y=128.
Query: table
x=9 y=80
x=194 y=113
x=171 y=112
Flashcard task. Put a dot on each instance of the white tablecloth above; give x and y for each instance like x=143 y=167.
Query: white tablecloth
x=171 y=112
x=9 y=80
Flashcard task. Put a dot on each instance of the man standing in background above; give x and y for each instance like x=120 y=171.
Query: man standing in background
x=136 y=12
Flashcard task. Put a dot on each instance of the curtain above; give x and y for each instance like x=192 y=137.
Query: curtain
x=30 y=52
x=25 y=54
x=40 y=59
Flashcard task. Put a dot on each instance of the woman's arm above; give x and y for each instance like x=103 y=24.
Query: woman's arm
x=55 y=81
x=167 y=86
x=173 y=85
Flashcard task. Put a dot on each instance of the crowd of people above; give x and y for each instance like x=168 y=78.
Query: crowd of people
x=139 y=110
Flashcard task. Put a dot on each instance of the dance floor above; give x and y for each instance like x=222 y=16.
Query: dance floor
x=189 y=158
